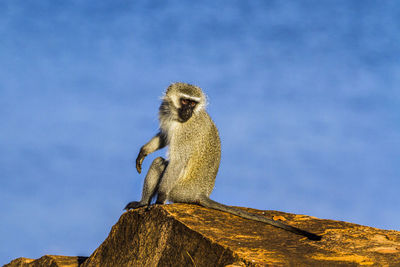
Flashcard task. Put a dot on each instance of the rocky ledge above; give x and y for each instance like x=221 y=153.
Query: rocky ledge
x=189 y=235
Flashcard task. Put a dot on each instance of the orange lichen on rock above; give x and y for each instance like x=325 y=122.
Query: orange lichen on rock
x=281 y=218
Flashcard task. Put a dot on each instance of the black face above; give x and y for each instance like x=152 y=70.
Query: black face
x=186 y=110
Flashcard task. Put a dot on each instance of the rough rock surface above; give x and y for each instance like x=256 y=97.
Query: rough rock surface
x=189 y=235
x=49 y=260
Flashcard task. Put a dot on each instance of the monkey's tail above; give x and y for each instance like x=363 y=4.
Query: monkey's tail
x=208 y=203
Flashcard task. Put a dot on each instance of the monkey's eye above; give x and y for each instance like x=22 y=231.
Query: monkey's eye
x=184 y=101
x=192 y=103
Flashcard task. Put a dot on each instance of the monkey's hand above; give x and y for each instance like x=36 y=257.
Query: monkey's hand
x=139 y=160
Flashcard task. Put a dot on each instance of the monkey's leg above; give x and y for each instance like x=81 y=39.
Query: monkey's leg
x=171 y=176
x=151 y=182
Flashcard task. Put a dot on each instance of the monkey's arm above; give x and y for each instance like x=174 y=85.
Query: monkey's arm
x=157 y=142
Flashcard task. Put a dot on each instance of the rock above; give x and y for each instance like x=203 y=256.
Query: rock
x=48 y=260
x=190 y=235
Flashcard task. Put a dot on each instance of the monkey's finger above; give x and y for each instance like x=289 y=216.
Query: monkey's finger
x=139 y=160
x=139 y=165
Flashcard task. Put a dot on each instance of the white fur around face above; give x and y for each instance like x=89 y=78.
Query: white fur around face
x=197 y=99
x=175 y=101
x=168 y=126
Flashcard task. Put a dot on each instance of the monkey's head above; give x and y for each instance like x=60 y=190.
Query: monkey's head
x=181 y=101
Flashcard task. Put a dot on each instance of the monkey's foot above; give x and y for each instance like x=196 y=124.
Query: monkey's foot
x=134 y=205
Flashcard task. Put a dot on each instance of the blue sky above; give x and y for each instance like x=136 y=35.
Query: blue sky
x=305 y=95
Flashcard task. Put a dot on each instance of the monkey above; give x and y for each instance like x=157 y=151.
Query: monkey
x=193 y=157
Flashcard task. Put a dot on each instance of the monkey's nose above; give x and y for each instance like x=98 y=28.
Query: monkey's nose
x=185 y=114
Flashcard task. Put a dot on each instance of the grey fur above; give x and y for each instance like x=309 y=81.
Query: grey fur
x=194 y=153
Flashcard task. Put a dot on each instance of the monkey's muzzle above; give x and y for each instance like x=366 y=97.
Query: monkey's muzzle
x=185 y=112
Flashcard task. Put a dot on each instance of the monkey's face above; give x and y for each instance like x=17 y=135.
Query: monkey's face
x=185 y=111
x=181 y=101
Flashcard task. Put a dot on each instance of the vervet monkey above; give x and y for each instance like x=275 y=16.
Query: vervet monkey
x=194 y=152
